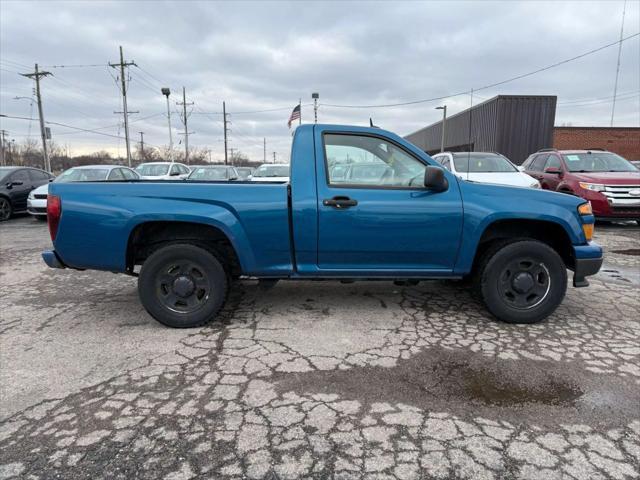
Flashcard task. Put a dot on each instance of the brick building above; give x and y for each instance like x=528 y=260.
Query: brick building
x=625 y=141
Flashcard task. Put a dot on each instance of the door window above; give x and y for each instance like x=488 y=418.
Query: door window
x=129 y=174
x=39 y=176
x=370 y=161
x=553 y=162
x=116 y=174
x=20 y=176
x=175 y=170
x=538 y=163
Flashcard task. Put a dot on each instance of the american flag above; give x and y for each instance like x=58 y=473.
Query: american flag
x=295 y=115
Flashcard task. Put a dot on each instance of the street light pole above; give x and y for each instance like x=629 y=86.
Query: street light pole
x=315 y=97
x=166 y=92
x=444 y=123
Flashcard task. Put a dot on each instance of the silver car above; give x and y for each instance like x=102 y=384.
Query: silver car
x=37 y=200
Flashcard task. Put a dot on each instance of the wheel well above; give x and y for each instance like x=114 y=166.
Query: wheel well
x=550 y=233
x=148 y=237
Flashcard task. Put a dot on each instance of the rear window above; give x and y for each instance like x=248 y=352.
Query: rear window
x=152 y=170
x=272 y=171
x=83 y=175
x=209 y=173
x=482 y=163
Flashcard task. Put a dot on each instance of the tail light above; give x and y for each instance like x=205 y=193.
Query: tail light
x=54 y=210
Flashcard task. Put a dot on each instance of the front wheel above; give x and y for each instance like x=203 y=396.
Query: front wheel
x=5 y=209
x=182 y=286
x=522 y=282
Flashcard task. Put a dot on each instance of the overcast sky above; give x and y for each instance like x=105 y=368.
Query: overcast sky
x=267 y=55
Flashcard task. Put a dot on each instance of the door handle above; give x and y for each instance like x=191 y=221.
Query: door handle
x=340 y=202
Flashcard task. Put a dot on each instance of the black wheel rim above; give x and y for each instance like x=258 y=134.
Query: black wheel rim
x=524 y=283
x=5 y=209
x=183 y=286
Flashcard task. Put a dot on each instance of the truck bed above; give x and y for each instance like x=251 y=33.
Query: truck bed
x=98 y=219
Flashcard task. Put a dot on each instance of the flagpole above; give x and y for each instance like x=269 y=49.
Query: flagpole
x=300 y=123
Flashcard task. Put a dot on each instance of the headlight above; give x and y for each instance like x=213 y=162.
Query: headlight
x=596 y=187
x=31 y=197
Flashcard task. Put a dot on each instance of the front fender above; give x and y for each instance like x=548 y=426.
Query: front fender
x=487 y=204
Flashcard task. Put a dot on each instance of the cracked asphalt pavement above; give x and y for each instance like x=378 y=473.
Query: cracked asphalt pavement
x=315 y=380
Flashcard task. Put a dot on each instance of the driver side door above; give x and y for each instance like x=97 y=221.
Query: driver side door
x=380 y=219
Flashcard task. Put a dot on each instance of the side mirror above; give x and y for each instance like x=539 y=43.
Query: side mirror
x=520 y=168
x=553 y=170
x=435 y=180
x=51 y=180
x=174 y=174
x=233 y=179
x=14 y=183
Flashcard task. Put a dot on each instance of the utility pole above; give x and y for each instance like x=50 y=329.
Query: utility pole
x=36 y=76
x=274 y=157
x=3 y=158
x=224 y=114
x=264 y=150
x=123 y=87
x=184 y=120
x=141 y=146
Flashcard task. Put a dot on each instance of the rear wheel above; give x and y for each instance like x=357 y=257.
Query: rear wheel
x=182 y=286
x=5 y=209
x=522 y=282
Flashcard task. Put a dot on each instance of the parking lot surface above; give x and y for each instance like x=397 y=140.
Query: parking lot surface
x=315 y=380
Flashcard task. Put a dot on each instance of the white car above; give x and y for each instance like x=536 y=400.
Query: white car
x=163 y=171
x=37 y=199
x=271 y=172
x=485 y=167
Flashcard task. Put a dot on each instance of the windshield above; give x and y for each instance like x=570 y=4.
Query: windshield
x=83 y=175
x=150 y=170
x=209 y=173
x=597 y=162
x=272 y=171
x=482 y=163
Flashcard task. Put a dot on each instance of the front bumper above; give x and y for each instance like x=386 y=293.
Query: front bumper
x=37 y=207
x=606 y=207
x=588 y=260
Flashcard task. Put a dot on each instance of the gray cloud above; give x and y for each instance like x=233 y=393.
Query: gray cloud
x=261 y=55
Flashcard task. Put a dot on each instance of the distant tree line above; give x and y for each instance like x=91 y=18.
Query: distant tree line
x=29 y=154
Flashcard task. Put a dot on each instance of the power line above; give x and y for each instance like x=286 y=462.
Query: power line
x=615 y=86
x=78 y=66
x=467 y=92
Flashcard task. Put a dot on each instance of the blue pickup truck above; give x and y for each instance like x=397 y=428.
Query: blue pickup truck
x=409 y=220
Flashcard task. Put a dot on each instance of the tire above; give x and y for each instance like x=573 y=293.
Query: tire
x=182 y=286
x=521 y=281
x=6 y=210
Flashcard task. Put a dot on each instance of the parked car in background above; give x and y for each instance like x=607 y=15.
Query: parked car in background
x=635 y=163
x=15 y=185
x=271 y=172
x=244 y=173
x=213 y=172
x=162 y=171
x=485 y=167
x=608 y=181
x=37 y=200
x=361 y=172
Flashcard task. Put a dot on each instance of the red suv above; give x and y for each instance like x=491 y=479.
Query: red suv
x=608 y=181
